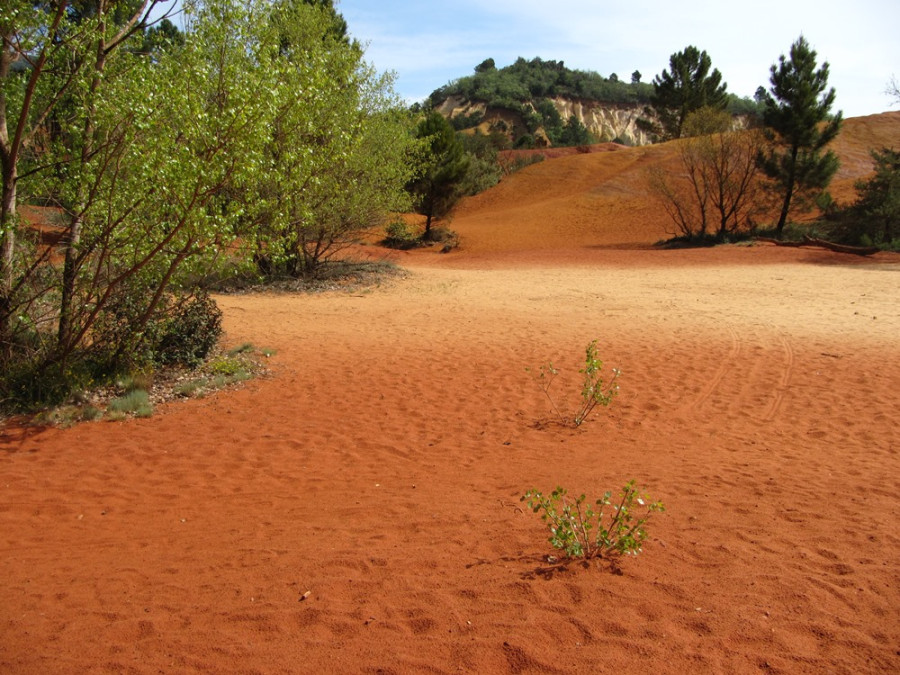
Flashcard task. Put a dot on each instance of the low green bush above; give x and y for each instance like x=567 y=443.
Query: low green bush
x=606 y=527
x=192 y=331
x=594 y=390
x=400 y=235
x=135 y=402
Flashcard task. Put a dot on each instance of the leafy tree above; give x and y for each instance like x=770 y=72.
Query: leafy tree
x=131 y=241
x=53 y=60
x=118 y=13
x=525 y=81
x=636 y=77
x=799 y=126
x=484 y=165
x=574 y=133
x=437 y=188
x=164 y=35
x=879 y=196
x=337 y=159
x=486 y=66
x=550 y=120
x=337 y=24
x=759 y=96
x=875 y=217
x=158 y=163
x=688 y=87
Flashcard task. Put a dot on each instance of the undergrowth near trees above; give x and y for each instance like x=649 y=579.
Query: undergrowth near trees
x=136 y=393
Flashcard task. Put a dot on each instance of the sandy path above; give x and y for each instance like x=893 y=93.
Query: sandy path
x=380 y=468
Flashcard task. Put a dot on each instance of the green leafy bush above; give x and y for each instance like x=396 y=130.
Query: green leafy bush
x=192 y=331
x=225 y=365
x=594 y=390
x=181 y=330
x=874 y=219
x=126 y=330
x=463 y=121
x=401 y=236
x=584 y=530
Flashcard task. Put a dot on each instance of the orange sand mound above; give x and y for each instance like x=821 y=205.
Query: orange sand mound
x=380 y=466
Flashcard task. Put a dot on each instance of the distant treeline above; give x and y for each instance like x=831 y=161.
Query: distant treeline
x=529 y=82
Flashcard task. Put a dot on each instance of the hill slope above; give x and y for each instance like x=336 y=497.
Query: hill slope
x=601 y=199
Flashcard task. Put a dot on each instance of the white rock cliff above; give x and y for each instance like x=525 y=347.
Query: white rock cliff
x=605 y=121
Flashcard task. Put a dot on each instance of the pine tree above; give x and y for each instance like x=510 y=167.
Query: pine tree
x=688 y=87
x=879 y=196
x=799 y=126
x=437 y=189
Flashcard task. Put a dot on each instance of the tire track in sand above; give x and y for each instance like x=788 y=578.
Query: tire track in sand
x=734 y=353
x=784 y=382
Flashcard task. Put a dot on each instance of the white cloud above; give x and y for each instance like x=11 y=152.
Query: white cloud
x=429 y=44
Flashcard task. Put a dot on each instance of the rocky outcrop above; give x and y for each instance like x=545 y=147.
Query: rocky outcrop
x=605 y=121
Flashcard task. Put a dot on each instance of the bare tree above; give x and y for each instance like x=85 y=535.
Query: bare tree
x=717 y=186
x=893 y=90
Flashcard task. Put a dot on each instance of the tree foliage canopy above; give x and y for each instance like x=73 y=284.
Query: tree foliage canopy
x=688 y=86
x=529 y=80
x=879 y=196
x=439 y=184
x=874 y=219
x=799 y=126
x=263 y=134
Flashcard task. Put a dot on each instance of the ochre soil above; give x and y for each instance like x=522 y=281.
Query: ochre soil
x=358 y=509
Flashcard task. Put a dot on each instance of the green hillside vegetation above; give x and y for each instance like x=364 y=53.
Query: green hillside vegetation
x=526 y=87
x=529 y=81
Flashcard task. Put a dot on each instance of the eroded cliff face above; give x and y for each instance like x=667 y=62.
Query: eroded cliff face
x=606 y=121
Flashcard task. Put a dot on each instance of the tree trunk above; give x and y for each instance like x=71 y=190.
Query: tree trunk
x=71 y=265
x=104 y=48
x=788 y=193
x=7 y=247
x=7 y=204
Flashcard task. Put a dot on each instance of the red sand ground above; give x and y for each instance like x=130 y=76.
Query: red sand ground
x=380 y=467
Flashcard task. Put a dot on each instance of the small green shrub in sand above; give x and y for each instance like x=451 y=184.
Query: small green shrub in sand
x=594 y=391
x=90 y=413
x=225 y=365
x=135 y=402
x=191 y=388
x=606 y=527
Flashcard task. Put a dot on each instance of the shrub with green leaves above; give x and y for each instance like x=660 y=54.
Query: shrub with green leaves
x=400 y=235
x=594 y=390
x=192 y=331
x=606 y=527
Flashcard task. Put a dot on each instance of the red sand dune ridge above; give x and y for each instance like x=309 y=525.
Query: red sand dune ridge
x=358 y=510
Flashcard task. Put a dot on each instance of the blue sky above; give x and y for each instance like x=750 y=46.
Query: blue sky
x=428 y=43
